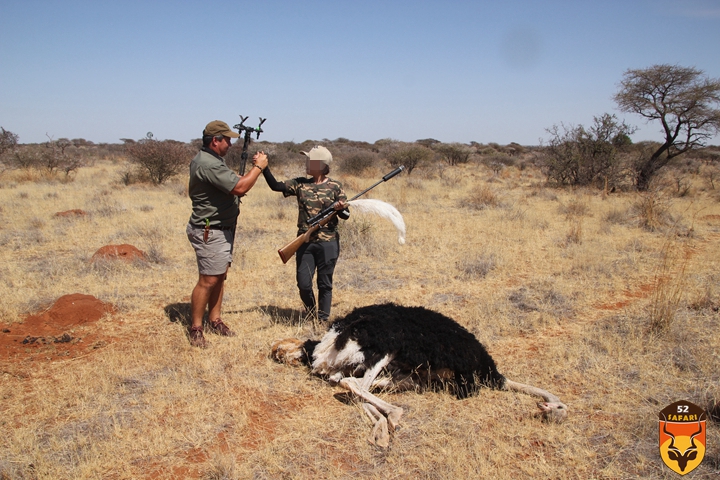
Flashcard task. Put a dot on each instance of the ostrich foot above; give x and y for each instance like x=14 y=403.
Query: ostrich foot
x=379 y=435
x=393 y=418
x=389 y=410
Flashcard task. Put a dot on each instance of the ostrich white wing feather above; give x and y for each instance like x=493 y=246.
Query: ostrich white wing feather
x=383 y=209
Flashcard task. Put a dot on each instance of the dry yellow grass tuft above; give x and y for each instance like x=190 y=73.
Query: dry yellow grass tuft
x=559 y=285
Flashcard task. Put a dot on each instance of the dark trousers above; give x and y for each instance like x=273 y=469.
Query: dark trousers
x=320 y=256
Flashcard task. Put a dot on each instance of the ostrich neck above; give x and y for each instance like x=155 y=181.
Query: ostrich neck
x=530 y=390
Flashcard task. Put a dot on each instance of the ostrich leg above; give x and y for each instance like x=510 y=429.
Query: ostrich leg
x=392 y=412
x=375 y=408
x=372 y=373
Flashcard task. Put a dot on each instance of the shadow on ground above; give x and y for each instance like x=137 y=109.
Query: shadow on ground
x=181 y=313
x=283 y=316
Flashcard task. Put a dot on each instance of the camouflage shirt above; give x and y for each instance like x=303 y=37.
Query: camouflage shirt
x=312 y=198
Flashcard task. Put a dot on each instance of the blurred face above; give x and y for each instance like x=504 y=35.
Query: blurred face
x=314 y=167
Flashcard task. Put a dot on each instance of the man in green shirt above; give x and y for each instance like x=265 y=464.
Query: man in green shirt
x=215 y=191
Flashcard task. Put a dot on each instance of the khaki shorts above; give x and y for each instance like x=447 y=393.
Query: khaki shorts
x=215 y=256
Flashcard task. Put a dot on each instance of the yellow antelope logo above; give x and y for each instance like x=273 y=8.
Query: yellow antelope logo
x=682 y=436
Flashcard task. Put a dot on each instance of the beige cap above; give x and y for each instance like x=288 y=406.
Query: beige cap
x=319 y=153
x=217 y=127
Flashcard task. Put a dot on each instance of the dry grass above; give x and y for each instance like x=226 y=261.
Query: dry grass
x=559 y=285
x=669 y=286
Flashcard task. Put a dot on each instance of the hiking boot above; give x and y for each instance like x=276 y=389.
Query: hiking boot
x=219 y=327
x=197 y=339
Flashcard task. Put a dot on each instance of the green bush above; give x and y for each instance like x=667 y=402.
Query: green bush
x=412 y=157
x=498 y=161
x=454 y=153
x=593 y=156
x=358 y=162
x=160 y=159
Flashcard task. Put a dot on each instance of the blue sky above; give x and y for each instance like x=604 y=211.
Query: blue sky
x=456 y=71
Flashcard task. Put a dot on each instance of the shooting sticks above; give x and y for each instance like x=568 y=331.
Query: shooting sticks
x=248 y=131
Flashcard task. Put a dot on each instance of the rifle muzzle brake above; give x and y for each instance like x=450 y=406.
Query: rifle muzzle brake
x=393 y=173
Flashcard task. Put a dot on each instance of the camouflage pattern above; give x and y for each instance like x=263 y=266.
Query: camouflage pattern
x=311 y=200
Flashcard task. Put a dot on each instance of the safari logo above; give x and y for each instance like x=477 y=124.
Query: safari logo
x=682 y=436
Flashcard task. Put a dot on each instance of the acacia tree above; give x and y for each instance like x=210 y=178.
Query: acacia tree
x=454 y=153
x=411 y=156
x=682 y=99
x=8 y=140
x=59 y=155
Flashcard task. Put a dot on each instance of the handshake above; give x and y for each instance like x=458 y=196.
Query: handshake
x=260 y=160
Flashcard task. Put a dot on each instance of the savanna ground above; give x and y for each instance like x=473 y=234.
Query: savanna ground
x=608 y=301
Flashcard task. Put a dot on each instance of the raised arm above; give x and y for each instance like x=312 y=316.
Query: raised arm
x=274 y=185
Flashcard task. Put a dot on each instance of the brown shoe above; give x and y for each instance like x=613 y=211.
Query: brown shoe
x=197 y=339
x=219 y=327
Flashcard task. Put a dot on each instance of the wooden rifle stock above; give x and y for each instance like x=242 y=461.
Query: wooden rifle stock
x=289 y=250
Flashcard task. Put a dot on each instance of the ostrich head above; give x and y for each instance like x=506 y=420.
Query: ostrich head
x=288 y=350
x=293 y=351
x=553 y=411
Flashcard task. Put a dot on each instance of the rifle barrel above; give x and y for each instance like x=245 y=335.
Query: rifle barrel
x=384 y=179
x=393 y=173
x=328 y=210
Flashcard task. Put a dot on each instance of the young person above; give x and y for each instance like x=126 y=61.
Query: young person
x=321 y=252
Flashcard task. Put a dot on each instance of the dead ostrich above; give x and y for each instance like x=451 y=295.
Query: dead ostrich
x=391 y=347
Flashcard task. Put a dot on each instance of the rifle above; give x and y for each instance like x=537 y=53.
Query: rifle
x=324 y=217
x=248 y=131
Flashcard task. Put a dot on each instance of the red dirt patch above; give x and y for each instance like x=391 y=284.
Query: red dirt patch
x=262 y=426
x=56 y=332
x=76 y=212
x=118 y=252
x=711 y=218
x=644 y=291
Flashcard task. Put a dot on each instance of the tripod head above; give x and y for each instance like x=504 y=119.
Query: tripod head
x=247 y=131
x=240 y=127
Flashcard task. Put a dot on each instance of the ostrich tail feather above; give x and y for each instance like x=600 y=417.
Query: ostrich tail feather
x=383 y=209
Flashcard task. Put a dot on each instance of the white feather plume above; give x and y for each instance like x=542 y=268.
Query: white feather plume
x=383 y=209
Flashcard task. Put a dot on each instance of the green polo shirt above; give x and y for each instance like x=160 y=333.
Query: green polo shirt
x=211 y=182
